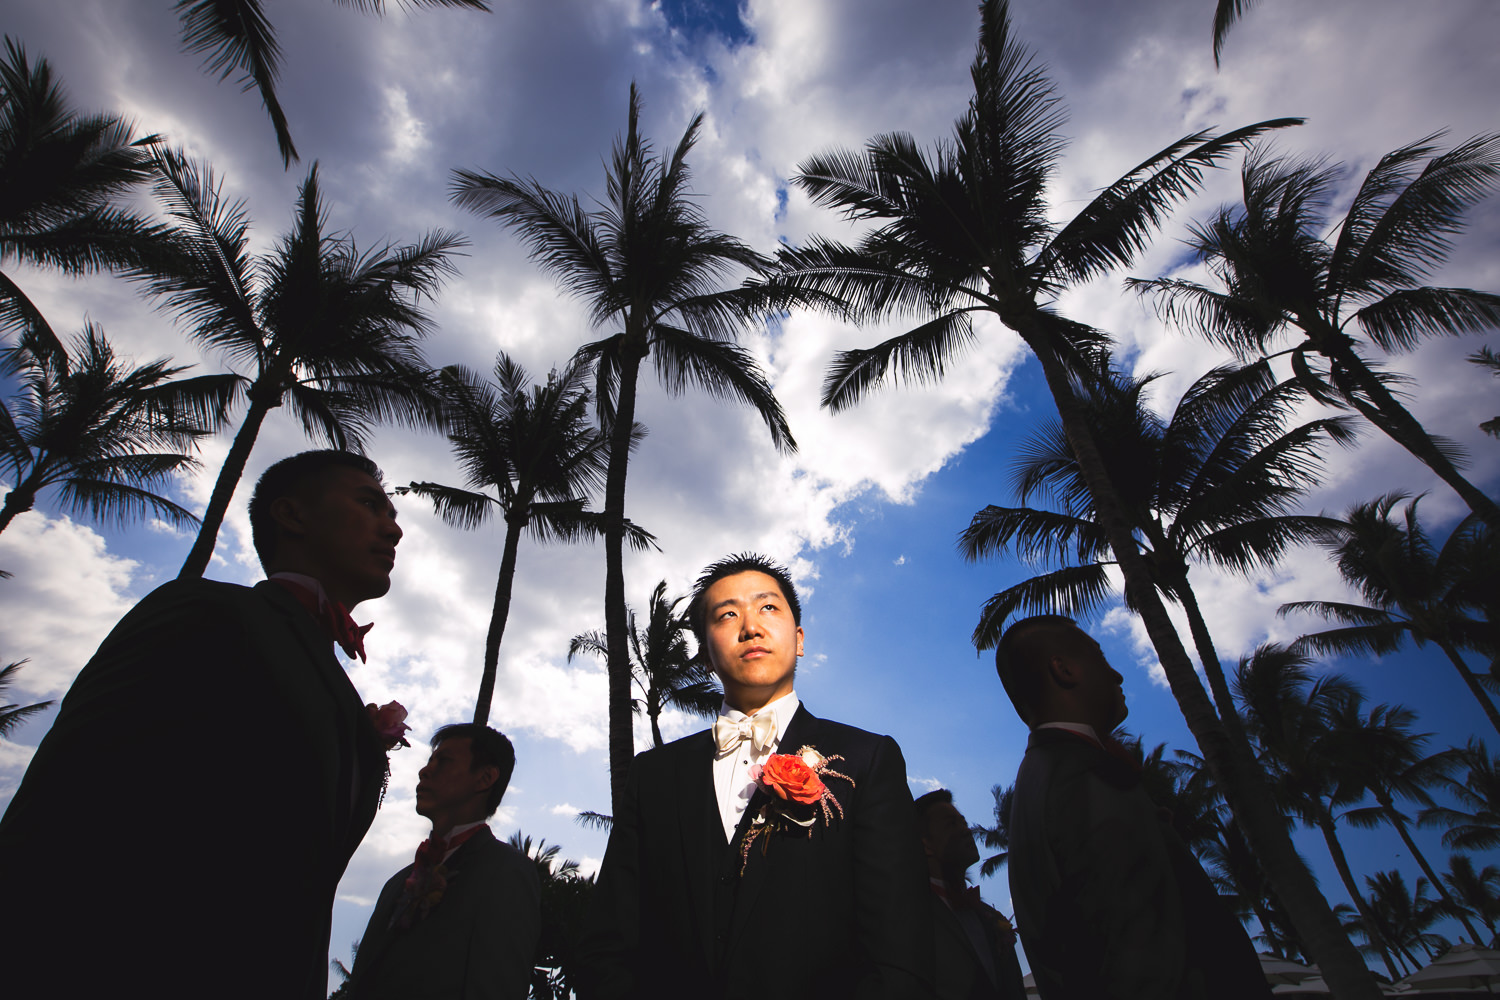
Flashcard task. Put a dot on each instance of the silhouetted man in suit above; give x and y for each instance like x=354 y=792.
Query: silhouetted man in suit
x=461 y=923
x=976 y=946
x=1109 y=901
x=773 y=855
x=184 y=824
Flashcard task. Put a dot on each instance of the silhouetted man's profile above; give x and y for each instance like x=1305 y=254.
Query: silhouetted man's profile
x=184 y=824
x=461 y=922
x=1109 y=901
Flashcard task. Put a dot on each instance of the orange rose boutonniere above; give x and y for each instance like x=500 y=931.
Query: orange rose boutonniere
x=794 y=785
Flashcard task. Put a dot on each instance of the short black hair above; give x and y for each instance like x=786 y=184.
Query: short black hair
x=1022 y=656
x=742 y=562
x=487 y=748
x=924 y=804
x=285 y=478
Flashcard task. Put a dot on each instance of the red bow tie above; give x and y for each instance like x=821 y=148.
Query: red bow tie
x=334 y=618
x=431 y=851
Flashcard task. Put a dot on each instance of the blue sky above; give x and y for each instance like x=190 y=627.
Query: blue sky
x=867 y=511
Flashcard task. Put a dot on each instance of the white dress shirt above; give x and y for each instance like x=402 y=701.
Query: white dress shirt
x=732 y=782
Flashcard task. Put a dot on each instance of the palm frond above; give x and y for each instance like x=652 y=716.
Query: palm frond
x=1075 y=591
x=235 y=35
x=920 y=355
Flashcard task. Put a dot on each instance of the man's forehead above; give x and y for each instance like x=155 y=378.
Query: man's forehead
x=749 y=585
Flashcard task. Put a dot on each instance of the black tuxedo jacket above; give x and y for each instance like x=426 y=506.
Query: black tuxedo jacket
x=185 y=822
x=477 y=943
x=960 y=974
x=1110 y=903
x=842 y=913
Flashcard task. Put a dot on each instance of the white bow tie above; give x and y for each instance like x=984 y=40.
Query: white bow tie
x=760 y=730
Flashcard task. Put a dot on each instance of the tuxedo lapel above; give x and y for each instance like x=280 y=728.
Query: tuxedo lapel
x=801 y=731
x=351 y=808
x=701 y=832
x=953 y=927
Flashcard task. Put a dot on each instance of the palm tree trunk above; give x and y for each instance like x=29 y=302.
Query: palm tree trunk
x=621 y=719
x=1385 y=411
x=1244 y=786
x=498 y=616
x=1213 y=668
x=22 y=498
x=1474 y=687
x=1341 y=863
x=1394 y=815
x=229 y=477
x=653 y=710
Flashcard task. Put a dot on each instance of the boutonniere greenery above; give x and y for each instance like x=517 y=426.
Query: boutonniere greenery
x=796 y=793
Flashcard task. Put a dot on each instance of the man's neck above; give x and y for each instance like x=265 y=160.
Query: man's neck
x=749 y=704
x=444 y=824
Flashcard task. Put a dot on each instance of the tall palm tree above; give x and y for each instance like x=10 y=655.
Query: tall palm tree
x=667 y=673
x=1477 y=892
x=60 y=175
x=1291 y=718
x=1412 y=591
x=1277 y=273
x=236 y=35
x=12 y=716
x=108 y=434
x=1388 y=762
x=1216 y=482
x=648 y=265
x=536 y=448
x=1475 y=824
x=968 y=230
x=328 y=331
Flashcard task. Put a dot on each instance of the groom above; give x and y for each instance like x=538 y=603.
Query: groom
x=773 y=855
x=183 y=826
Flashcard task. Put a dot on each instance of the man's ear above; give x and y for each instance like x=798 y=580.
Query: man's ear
x=1062 y=671
x=488 y=775
x=288 y=514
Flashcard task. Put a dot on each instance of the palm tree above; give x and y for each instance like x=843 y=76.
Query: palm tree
x=1405 y=918
x=534 y=446
x=1278 y=272
x=108 y=434
x=968 y=230
x=1477 y=892
x=1216 y=482
x=566 y=902
x=647 y=262
x=12 y=716
x=330 y=331
x=1387 y=761
x=1476 y=825
x=1411 y=591
x=996 y=838
x=61 y=173
x=236 y=35
x=665 y=671
x=1291 y=718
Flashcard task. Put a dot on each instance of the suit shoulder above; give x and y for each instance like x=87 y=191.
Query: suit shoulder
x=852 y=736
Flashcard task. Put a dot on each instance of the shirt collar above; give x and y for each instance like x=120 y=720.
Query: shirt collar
x=1081 y=728
x=310 y=582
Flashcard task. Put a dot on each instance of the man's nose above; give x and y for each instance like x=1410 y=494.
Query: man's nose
x=750 y=626
x=393 y=530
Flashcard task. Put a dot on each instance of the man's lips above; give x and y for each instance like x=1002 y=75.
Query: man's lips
x=386 y=555
x=754 y=652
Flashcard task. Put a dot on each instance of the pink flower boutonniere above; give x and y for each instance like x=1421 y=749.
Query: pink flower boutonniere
x=389 y=721
x=797 y=792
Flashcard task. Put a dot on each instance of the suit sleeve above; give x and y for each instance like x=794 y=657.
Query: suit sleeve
x=1117 y=890
x=892 y=910
x=609 y=945
x=502 y=945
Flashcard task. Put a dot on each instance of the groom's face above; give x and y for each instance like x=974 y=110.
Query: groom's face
x=751 y=639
